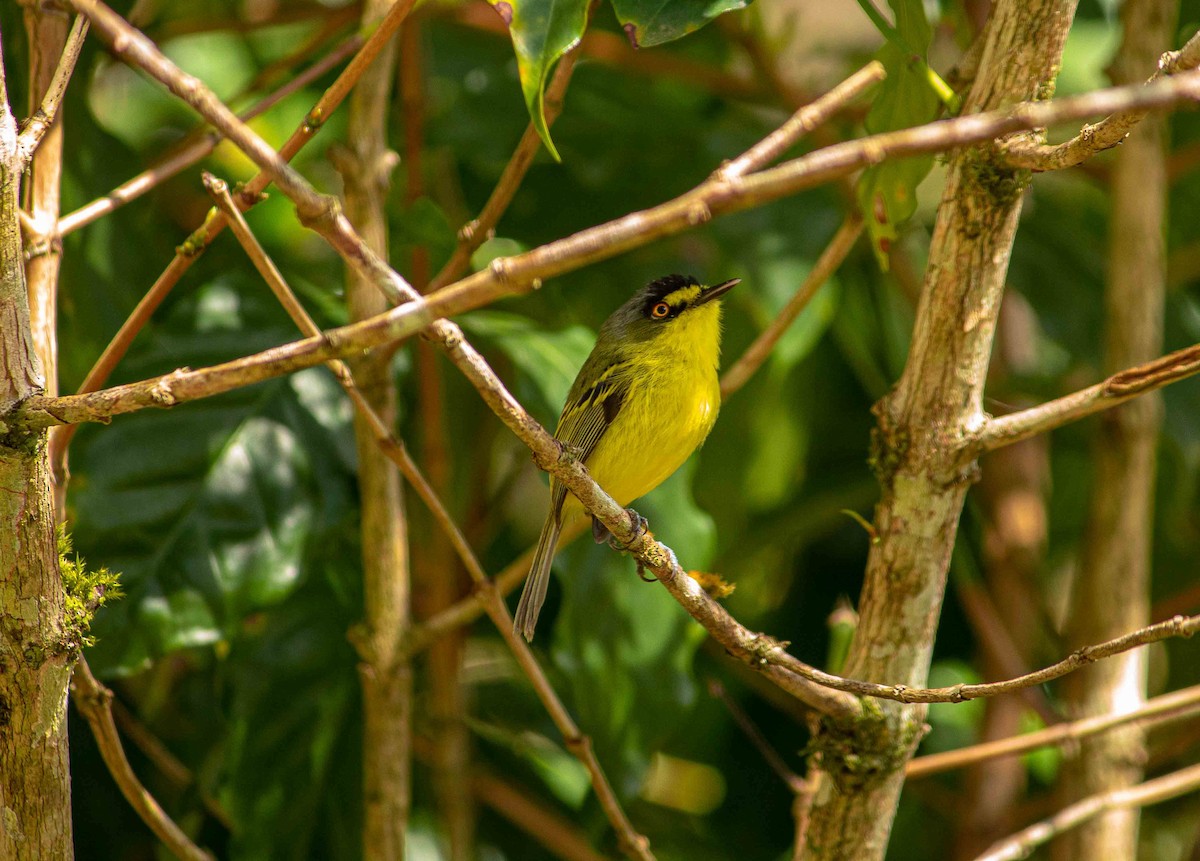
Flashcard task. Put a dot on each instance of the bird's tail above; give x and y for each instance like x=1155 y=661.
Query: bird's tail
x=539 y=578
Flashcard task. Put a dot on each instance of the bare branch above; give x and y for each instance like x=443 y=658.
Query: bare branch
x=1179 y=626
x=94 y=702
x=1168 y=707
x=831 y=258
x=1021 y=844
x=38 y=124
x=1024 y=152
x=802 y=122
x=1120 y=387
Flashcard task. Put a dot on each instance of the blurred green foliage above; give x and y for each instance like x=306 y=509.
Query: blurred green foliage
x=234 y=521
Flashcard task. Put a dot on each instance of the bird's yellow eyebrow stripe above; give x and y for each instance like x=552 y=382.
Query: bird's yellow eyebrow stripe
x=683 y=294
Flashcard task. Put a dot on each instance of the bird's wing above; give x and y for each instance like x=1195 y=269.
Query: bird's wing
x=589 y=412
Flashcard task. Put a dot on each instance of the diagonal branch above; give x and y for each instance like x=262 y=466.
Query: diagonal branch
x=37 y=125
x=1022 y=152
x=803 y=121
x=1176 y=705
x=1021 y=844
x=1120 y=387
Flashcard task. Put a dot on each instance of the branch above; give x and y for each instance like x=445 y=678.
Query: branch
x=491 y=599
x=803 y=121
x=1021 y=844
x=94 y=702
x=523 y=272
x=1179 y=626
x=829 y=261
x=1106 y=134
x=1168 y=707
x=1120 y=387
x=38 y=124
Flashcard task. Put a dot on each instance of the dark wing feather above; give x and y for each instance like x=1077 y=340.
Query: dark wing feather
x=591 y=408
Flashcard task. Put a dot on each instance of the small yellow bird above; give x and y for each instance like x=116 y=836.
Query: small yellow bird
x=644 y=400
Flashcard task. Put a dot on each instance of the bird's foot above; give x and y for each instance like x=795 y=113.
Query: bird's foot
x=601 y=534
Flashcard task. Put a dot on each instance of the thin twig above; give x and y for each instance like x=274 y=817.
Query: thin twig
x=578 y=744
x=1120 y=387
x=168 y=764
x=1021 y=844
x=1174 y=706
x=802 y=122
x=38 y=124
x=1023 y=152
x=556 y=833
x=94 y=702
x=831 y=258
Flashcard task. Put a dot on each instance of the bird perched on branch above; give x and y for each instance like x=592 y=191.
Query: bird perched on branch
x=644 y=400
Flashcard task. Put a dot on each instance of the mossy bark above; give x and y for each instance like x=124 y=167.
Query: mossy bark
x=935 y=405
x=36 y=653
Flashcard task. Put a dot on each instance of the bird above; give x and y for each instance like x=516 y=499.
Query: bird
x=644 y=400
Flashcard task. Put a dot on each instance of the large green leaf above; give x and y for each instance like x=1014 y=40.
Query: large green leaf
x=653 y=22
x=207 y=511
x=542 y=31
x=887 y=192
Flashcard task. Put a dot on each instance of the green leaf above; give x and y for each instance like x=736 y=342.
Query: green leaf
x=541 y=31
x=653 y=22
x=887 y=193
x=207 y=510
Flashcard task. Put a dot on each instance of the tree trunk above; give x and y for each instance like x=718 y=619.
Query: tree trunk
x=922 y=424
x=366 y=167
x=36 y=649
x=1112 y=590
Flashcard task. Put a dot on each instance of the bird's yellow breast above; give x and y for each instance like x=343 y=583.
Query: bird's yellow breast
x=668 y=412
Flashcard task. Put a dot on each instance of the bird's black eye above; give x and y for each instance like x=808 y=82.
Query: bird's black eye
x=660 y=311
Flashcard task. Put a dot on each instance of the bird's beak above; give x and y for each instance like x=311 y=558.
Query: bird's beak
x=716 y=291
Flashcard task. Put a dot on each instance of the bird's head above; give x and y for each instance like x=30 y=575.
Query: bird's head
x=672 y=310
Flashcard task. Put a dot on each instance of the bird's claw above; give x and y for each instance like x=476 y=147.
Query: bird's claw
x=602 y=535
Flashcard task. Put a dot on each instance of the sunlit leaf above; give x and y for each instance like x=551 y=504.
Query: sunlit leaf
x=653 y=22
x=541 y=31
